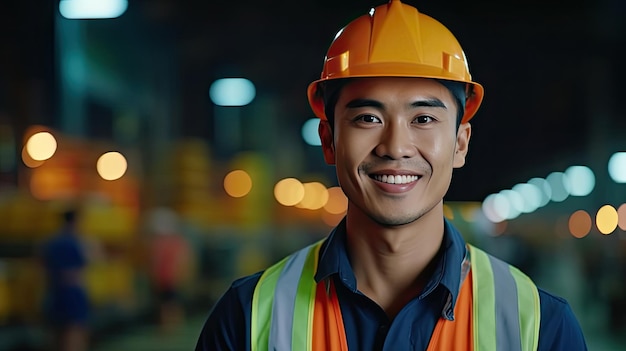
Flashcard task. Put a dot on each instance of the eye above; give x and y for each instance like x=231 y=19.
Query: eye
x=368 y=119
x=423 y=119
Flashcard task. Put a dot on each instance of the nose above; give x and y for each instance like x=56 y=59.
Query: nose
x=396 y=142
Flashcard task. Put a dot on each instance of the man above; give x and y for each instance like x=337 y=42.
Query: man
x=394 y=100
x=67 y=303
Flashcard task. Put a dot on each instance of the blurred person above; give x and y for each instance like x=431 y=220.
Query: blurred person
x=67 y=305
x=170 y=257
x=395 y=99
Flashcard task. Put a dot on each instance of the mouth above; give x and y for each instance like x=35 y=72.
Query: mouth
x=395 y=179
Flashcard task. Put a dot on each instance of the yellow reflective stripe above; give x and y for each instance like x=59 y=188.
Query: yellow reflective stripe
x=487 y=307
x=529 y=318
x=305 y=303
x=262 y=310
x=295 y=310
x=483 y=301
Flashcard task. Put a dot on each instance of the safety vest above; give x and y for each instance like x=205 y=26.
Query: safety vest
x=290 y=311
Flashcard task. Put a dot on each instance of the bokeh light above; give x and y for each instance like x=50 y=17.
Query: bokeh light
x=92 y=9
x=111 y=165
x=337 y=201
x=606 y=219
x=315 y=196
x=544 y=188
x=237 y=183
x=617 y=167
x=310 y=133
x=232 y=92
x=289 y=191
x=41 y=146
x=621 y=213
x=579 y=224
x=559 y=185
x=531 y=196
x=28 y=161
x=495 y=208
x=515 y=203
x=581 y=180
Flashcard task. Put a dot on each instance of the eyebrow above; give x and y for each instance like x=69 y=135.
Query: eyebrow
x=433 y=102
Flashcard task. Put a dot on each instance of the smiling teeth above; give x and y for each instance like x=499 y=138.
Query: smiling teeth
x=397 y=179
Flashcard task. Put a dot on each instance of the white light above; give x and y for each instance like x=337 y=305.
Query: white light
x=559 y=184
x=544 y=188
x=309 y=132
x=232 y=92
x=502 y=206
x=581 y=179
x=617 y=167
x=531 y=195
x=515 y=201
x=41 y=146
x=489 y=209
x=92 y=9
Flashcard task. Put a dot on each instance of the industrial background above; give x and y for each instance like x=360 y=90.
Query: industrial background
x=136 y=121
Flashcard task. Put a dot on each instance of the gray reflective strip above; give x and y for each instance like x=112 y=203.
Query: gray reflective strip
x=507 y=314
x=284 y=301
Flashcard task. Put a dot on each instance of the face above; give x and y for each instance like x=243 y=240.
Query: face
x=394 y=146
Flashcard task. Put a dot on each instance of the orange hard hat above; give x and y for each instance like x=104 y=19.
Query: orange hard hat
x=395 y=40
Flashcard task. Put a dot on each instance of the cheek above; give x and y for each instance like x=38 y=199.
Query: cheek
x=437 y=150
x=353 y=146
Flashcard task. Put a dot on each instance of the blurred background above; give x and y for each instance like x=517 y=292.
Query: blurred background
x=181 y=133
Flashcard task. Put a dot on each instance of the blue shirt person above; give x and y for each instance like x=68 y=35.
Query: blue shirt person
x=395 y=100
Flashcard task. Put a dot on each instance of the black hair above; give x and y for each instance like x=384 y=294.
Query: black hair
x=329 y=91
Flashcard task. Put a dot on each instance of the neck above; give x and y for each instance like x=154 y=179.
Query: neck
x=392 y=264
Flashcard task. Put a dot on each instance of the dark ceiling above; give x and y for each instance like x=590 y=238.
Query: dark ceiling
x=552 y=71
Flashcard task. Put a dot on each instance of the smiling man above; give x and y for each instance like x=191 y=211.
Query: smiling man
x=395 y=99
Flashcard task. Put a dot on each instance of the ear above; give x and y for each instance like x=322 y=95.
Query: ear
x=462 y=144
x=328 y=144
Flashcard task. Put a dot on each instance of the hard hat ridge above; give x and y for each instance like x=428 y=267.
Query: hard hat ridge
x=391 y=22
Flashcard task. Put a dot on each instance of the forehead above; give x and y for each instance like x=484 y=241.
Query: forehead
x=395 y=87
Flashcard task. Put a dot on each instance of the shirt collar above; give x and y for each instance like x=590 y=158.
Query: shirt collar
x=333 y=259
x=449 y=268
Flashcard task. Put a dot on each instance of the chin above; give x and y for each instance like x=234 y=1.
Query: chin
x=395 y=221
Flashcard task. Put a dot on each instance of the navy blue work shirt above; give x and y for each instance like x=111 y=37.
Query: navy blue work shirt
x=366 y=324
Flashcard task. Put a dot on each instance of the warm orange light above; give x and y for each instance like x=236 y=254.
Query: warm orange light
x=315 y=196
x=621 y=212
x=41 y=146
x=337 y=201
x=579 y=224
x=237 y=183
x=111 y=165
x=606 y=219
x=28 y=161
x=289 y=191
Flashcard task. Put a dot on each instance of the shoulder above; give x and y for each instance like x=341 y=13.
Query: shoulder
x=237 y=299
x=559 y=328
x=228 y=323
